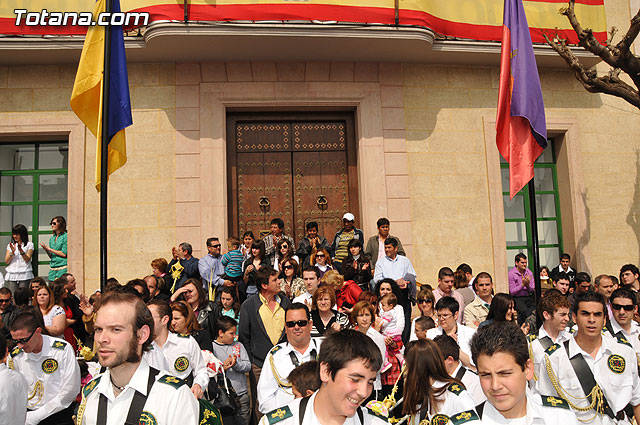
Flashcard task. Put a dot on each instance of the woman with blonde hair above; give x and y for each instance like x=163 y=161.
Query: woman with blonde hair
x=428 y=390
x=321 y=259
x=184 y=322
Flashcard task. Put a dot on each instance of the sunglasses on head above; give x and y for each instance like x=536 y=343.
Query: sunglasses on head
x=25 y=340
x=300 y=323
x=624 y=307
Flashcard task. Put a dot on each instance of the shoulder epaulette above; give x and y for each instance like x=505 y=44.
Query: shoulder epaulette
x=172 y=380
x=623 y=340
x=183 y=336
x=572 y=331
x=552 y=401
x=463 y=417
x=552 y=348
x=532 y=337
x=90 y=386
x=279 y=414
x=377 y=414
x=275 y=349
x=456 y=388
x=16 y=351
x=59 y=345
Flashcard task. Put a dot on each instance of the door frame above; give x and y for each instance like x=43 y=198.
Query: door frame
x=266 y=116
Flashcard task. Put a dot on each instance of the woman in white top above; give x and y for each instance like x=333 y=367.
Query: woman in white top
x=55 y=319
x=18 y=259
x=429 y=391
x=363 y=315
x=284 y=252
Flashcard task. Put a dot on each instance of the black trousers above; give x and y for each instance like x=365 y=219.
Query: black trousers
x=63 y=417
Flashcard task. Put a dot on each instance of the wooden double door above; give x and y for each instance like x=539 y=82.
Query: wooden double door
x=300 y=167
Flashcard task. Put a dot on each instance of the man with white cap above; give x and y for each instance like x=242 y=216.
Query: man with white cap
x=339 y=249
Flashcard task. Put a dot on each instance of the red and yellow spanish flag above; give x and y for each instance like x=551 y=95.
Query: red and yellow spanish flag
x=86 y=98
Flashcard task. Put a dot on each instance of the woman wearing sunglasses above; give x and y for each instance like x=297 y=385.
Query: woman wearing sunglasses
x=284 y=252
x=322 y=260
x=426 y=302
x=290 y=283
x=57 y=248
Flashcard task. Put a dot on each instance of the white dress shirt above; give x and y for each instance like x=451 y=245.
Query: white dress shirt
x=277 y=366
x=13 y=397
x=289 y=414
x=61 y=384
x=537 y=414
x=168 y=403
x=184 y=356
x=464 y=334
x=619 y=388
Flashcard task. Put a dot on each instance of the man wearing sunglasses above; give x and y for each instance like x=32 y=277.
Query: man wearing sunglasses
x=210 y=266
x=597 y=375
x=622 y=324
x=274 y=390
x=50 y=368
x=8 y=310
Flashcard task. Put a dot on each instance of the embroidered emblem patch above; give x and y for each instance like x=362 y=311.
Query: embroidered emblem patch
x=49 y=366
x=172 y=380
x=616 y=363
x=440 y=420
x=463 y=417
x=147 y=418
x=90 y=386
x=279 y=414
x=554 y=402
x=181 y=364
x=456 y=389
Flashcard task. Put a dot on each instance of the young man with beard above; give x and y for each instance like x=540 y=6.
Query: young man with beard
x=501 y=354
x=597 y=375
x=348 y=363
x=130 y=390
x=49 y=365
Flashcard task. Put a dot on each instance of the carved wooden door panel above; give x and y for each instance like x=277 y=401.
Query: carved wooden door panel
x=264 y=191
x=298 y=166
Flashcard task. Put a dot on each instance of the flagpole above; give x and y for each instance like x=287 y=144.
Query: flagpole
x=534 y=237
x=104 y=152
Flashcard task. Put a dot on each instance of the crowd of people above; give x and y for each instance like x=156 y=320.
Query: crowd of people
x=272 y=331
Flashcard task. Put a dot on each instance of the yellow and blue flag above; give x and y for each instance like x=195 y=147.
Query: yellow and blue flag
x=86 y=98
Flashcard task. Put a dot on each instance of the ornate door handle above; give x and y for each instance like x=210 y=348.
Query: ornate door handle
x=264 y=202
x=322 y=201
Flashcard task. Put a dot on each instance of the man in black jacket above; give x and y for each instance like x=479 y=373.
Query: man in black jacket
x=262 y=318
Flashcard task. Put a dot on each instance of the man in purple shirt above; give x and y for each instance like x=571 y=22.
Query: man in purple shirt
x=522 y=287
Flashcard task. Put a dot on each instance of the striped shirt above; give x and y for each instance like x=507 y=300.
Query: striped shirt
x=232 y=262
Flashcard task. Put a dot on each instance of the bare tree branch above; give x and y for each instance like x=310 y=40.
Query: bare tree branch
x=618 y=56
